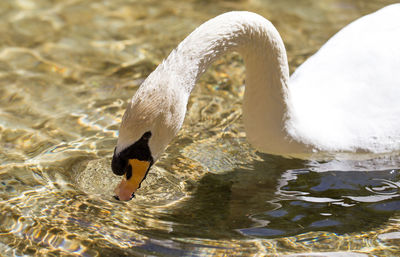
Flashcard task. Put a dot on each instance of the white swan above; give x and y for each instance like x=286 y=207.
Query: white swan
x=346 y=97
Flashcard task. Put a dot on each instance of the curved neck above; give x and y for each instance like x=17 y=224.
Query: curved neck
x=267 y=73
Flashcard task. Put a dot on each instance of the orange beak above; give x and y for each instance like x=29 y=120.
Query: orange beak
x=128 y=187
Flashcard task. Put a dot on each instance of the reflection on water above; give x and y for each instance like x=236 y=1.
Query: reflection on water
x=67 y=69
x=286 y=202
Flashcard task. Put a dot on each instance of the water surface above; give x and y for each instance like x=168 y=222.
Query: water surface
x=67 y=69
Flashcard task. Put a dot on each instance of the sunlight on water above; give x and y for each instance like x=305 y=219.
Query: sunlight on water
x=67 y=69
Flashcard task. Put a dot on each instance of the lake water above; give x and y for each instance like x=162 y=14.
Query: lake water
x=67 y=70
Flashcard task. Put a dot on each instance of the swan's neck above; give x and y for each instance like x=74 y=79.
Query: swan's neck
x=267 y=72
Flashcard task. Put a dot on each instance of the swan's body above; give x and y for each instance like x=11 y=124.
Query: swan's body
x=344 y=98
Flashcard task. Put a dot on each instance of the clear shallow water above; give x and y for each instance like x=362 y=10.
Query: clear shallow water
x=67 y=69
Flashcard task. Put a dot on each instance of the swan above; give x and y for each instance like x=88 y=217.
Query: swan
x=345 y=98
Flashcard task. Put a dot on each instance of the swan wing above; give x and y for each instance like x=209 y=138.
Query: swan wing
x=347 y=95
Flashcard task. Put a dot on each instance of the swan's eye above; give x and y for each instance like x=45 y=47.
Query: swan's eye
x=146 y=135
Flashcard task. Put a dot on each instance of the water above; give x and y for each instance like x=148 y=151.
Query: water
x=67 y=69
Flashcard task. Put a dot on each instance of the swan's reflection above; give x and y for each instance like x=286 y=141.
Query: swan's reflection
x=282 y=198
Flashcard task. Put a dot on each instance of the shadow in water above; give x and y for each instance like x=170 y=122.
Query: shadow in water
x=279 y=197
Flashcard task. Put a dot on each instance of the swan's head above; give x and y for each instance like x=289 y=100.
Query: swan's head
x=152 y=118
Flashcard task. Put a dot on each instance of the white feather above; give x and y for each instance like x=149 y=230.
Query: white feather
x=344 y=98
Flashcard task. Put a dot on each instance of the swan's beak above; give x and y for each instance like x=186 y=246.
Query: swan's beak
x=131 y=182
